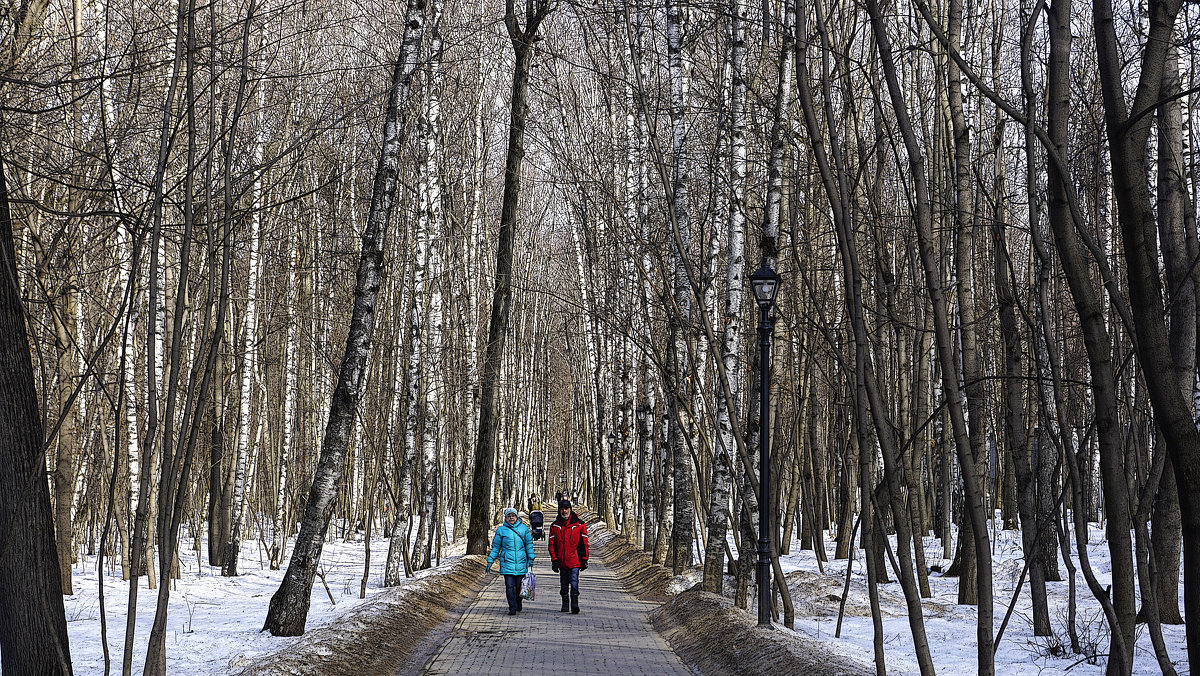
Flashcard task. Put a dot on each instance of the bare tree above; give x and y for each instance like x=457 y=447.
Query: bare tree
x=524 y=41
x=289 y=605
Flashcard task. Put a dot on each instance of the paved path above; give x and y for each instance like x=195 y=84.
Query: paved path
x=610 y=635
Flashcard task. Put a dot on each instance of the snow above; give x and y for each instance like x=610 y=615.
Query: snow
x=950 y=628
x=213 y=622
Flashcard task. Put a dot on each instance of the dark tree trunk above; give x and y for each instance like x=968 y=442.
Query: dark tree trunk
x=288 y=612
x=1016 y=439
x=33 y=621
x=489 y=379
x=1128 y=133
x=1173 y=203
x=218 y=518
x=1046 y=463
x=972 y=490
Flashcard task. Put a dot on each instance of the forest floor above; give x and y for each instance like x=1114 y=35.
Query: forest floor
x=950 y=628
x=213 y=622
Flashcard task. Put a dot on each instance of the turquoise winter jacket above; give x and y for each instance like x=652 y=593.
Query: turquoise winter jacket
x=513 y=545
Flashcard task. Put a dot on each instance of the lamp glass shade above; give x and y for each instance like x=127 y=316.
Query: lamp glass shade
x=764 y=290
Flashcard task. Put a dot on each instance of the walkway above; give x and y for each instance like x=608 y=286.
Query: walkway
x=610 y=635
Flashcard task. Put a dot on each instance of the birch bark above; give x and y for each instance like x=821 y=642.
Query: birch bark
x=290 y=366
x=429 y=197
x=732 y=340
x=229 y=559
x=679 y=427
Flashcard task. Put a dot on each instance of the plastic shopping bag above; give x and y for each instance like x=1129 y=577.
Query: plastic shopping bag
x=529 y=586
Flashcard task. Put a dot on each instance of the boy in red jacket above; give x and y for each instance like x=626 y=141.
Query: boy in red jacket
x=568 y=553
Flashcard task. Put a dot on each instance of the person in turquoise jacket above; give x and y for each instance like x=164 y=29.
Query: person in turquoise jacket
x=513 y=545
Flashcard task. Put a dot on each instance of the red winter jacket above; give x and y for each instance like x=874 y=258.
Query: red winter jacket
x=568 y=541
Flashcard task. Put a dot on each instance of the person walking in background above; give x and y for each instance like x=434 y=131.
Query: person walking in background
x=568 y=546
x=513 y=545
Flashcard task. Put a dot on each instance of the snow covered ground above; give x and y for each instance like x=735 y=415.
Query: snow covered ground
x=213 y=622
x=950 y=628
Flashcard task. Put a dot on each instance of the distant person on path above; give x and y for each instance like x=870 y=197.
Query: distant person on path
x=513 y=545
x=568 y=553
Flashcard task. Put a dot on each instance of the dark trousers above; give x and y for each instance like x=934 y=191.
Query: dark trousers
x=568 y=578
x=512 y=591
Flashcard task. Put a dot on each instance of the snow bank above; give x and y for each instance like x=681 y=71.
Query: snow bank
x=213 y=622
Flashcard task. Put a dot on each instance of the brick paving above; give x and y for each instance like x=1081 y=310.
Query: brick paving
x=610 y=635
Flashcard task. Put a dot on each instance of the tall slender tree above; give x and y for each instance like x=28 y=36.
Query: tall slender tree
x=524 y=40
x=288 y=611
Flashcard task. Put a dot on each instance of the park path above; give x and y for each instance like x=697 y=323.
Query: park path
x=610 y=635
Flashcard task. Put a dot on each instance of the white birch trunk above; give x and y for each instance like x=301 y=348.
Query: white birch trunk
x=397 y=566
x=429 y=197
x=129 y=375
x=732 y=341
x=289 y=409
x=249 y=362
x=678 y=424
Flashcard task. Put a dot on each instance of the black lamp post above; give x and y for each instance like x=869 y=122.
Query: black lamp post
x=641 y=413
x=612 y=454
x=765 y=283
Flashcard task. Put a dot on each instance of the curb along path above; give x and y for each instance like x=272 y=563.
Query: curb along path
x=611 y=635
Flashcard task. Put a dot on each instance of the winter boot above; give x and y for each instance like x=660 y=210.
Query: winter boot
x=575 y=606
x=566 y=605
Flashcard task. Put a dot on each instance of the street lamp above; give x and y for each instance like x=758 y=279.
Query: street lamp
x=765 y=284
x=642 y=413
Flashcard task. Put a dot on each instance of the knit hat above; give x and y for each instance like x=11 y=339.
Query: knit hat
x=564 y=504
x=509 y=510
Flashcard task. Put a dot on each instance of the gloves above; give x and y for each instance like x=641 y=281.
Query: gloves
x=554 y=566
x=583 y=565
x=489 y=568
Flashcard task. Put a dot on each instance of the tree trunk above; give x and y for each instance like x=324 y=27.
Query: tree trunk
x=973 y=492
x=679 y=424
x=1017 y=440
x=233 y=545
x=430 y=219
x=33 y=622
x=1178 y=255
x=1128 y=133
x=523 y=41
x=964 y=216
x=289 y=606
